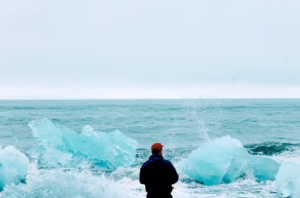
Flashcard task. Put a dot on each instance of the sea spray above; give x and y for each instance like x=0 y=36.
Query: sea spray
x=205 y=114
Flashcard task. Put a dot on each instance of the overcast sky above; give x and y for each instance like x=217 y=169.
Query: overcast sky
x=97 y=49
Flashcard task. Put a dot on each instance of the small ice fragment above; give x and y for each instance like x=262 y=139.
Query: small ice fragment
x=13 y=166
x=288 y=180
x=263 y=168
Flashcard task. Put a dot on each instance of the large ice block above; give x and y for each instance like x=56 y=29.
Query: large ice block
x=215 y=161
x=13 y=166
x=288 y=180
x=60 y=146
x=263 y=168
x=225 y=159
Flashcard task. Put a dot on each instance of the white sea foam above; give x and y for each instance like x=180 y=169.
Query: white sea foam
x=292 y=155
x=65 y=183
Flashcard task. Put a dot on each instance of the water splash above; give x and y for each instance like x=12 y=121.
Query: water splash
x=205 y=114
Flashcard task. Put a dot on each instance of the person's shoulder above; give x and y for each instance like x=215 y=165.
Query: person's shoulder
x=145 y=163
x=167 y=162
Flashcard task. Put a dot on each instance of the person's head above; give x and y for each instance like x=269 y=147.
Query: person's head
x=157 y=148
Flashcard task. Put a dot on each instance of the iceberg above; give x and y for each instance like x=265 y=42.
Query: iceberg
x=225 y=159
x=215 y=161
x=288 y=180
x=60 y=146
x=13 y=166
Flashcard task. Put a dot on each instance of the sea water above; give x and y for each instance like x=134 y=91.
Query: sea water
x=266 y=128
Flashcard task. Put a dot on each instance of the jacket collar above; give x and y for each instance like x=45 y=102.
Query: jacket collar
x=155 y=156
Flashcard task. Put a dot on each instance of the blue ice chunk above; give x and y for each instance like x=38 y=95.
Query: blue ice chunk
x=13 y=166
x=60 y=146
x=263 y=168
x=288 y=180
x=215 y=161
x=225 y=159
x=237 y=166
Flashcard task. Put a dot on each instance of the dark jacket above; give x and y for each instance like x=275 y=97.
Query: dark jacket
x=158 y=175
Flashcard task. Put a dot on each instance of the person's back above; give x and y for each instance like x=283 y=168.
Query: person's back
x=158 y=174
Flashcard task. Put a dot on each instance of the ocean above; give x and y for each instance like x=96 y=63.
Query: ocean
x=266 y=127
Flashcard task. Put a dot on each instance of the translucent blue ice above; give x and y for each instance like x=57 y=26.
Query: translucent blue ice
x=13 y=166
x=288 y=180
x=60 y=146
x=225 y=159
x=263 y=168
x=219 y=159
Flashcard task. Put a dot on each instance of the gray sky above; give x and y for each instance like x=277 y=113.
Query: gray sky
x=149 y=49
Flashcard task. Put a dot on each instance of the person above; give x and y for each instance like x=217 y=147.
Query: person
x=158 y=174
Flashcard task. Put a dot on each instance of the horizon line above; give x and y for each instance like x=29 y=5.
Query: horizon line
x=159 y=99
